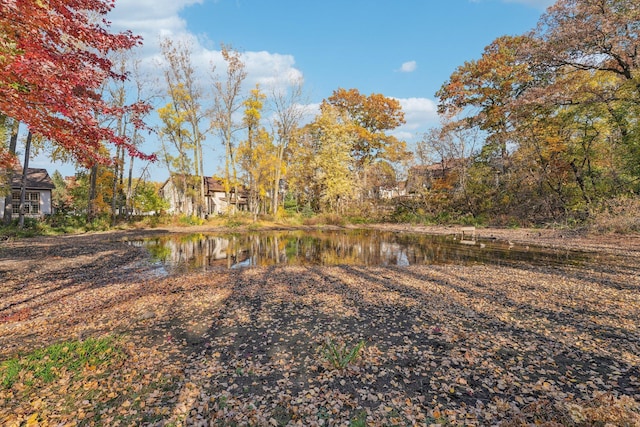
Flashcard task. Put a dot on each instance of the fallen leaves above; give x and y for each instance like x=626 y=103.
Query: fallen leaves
x=471 y=345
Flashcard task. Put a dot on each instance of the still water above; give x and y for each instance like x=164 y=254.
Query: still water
x=182 y=253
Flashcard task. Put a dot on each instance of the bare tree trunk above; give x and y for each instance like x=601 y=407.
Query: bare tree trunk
x=288 y=115
x=114 y=202
x=276 y=180
x=23 y=184
x=8 y=201
x=129 y=201
x=93 y=176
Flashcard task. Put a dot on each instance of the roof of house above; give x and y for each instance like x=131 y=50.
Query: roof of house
x=37 y=179
x=211 y=185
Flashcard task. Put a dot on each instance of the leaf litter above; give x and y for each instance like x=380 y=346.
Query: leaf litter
x=443 y=345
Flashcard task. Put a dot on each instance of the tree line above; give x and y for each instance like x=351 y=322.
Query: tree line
x=541 y=127
x=546 y=121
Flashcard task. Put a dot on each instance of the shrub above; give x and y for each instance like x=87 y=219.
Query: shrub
x=325 y=219
x=618 y=215
x=190 y=220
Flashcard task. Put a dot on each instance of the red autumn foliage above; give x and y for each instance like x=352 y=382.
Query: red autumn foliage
x=53 y=60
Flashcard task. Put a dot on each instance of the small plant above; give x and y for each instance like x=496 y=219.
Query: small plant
x=339 y=355
x=360 y=420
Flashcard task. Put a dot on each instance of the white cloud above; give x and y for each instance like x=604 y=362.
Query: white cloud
x=418 y=112
x=271 y=69
x=153 y=19
x=409 y=67
x=149 y=18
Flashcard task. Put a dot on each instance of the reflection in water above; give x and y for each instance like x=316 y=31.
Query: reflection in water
x=355 y=247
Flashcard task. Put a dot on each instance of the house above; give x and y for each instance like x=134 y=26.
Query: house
x=180 y=192
x=216 y=199
x=399 y=190
x=423 y=177
x=37 y=201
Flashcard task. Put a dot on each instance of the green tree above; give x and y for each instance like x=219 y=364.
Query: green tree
x=146 y=198
x=60 y=197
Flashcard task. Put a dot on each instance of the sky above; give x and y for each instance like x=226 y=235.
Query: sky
x=404 y=49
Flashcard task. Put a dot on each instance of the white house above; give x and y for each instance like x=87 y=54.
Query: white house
x=177 y=190
x=37 y=201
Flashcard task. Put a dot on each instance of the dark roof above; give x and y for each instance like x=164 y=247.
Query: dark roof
x=36 y=179
x=212 y=184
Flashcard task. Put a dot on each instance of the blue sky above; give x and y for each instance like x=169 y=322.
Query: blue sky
x=405 y=49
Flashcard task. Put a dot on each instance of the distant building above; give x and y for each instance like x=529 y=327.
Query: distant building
x=37 y=201
x=181 y=198
x=399 y=190
x=424 y=176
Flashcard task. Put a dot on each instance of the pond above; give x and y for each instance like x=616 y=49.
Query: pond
x=191 y=252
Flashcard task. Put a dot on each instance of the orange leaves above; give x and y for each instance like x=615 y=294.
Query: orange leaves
x=372 y=116
x=17 y=316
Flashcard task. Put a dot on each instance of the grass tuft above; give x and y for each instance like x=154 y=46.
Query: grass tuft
x=339 y=354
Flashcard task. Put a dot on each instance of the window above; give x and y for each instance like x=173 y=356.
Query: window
x=31 y=202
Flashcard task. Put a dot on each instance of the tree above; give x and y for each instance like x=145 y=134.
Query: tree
x=142 y=96
x=447 y=153
x=227 y=102
x=60 y=197
x=257 y=154
x=483 y=91
x=288 y=113
x=591 y=35
x=374 y=115
x=577 y=44
x=146 y=198
x=53 y=59
x=187 y=111
x=300 y=170
x=381 y=175
x=10 y=164
x=175 y=140
x=23 y=181
x=331 y=138
x=98 y=204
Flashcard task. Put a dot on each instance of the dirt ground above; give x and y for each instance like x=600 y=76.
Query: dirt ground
x=464 y=345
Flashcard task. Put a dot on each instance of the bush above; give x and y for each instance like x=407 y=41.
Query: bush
x=325 y=219
x=99 y=223
x=190 y=220
x=618 y=215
